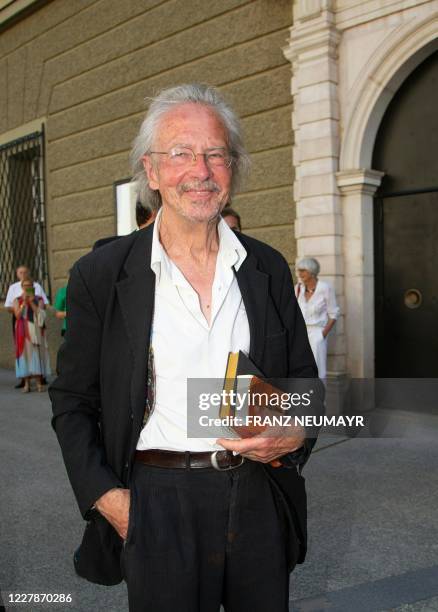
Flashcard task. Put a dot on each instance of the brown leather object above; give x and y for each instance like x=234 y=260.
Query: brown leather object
x=172 y=459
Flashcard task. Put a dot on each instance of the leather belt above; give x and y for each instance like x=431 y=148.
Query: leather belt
x=220 y=460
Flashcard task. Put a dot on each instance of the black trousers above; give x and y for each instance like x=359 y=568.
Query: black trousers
x=200 y=538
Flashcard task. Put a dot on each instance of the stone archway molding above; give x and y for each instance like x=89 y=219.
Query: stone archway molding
x=392 y=62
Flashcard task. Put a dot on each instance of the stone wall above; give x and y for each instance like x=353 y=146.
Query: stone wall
x=85 y=68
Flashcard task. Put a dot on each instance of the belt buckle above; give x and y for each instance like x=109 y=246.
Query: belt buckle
x=217 y=467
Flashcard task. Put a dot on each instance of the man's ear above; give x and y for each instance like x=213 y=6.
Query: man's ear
x=151 y=171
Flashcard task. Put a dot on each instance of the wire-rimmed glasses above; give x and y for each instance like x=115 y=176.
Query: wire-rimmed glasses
x=185 y=156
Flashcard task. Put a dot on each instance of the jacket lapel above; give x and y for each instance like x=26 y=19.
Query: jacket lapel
x=136 y=293
x=253 y=285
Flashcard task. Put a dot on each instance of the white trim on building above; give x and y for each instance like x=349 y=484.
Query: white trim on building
x=348 y=59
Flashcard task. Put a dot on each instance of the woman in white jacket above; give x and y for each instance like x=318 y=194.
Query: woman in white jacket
x=317 y=301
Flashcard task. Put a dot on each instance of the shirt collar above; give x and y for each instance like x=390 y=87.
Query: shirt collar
x=231 y=250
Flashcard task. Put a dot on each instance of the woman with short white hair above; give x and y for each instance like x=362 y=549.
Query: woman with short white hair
x=317 y=301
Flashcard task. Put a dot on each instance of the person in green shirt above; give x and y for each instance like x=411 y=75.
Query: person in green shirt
x=61 y=307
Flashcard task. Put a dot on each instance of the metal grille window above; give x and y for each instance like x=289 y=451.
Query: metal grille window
x=22 y=219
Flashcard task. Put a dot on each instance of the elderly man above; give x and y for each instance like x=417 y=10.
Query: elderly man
x=171 y=302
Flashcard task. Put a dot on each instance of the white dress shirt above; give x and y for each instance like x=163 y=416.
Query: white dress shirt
x=15 y=290
x=320 y=307
x=185 y=345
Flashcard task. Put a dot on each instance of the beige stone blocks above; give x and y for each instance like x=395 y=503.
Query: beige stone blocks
x=318 y=205
x=336 y=342
x=339 y=326
x=271 y=169
x=88 y=176
x=114 y=137
x=319 y=166
x=16 y=67
x=62 y=261
x=318 y=225
x=319 y=245
x=315 y=111
x=359 y=293
x=78 y=207
x=270 y=129
x=321 y=70
x=318 y=92
x=82 y=234
x=336 y=364
x=280 y=238
x=160 y=54
x=318 y=184
x=264 y=208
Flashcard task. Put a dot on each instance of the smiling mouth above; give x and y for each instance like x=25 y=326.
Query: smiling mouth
x=202 y=193
x=200 y=188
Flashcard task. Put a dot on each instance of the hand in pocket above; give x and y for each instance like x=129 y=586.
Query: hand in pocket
x=114 y=506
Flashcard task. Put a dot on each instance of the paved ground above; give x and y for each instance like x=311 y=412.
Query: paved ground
x=372 y=519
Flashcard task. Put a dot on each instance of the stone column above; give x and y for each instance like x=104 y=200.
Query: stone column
x=358 y=188
x=312 y=51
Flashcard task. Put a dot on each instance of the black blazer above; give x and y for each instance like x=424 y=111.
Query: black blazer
x=99 y=395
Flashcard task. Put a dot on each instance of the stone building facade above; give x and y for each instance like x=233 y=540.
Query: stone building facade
x=349 y=61
x=85 y=68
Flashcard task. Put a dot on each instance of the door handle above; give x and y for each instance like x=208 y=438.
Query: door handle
x=413 y=298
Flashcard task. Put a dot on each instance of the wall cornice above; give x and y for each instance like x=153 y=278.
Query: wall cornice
x=12 y=11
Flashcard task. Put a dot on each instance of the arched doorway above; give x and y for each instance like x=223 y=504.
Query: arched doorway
x=406 y=229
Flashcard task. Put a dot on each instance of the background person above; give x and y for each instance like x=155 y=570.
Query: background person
x=232 y=218
x=15 y=291
x=317 y=301
x=144 y=216
x=60 y=306
x=31 y=350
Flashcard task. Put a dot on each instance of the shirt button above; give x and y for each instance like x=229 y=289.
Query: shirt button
x=126 y=465
x=132 y=416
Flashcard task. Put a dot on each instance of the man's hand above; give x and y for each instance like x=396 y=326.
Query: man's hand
x=265 y=448
x=114 y=506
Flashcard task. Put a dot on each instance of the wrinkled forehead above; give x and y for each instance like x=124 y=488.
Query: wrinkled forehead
x=190 y=123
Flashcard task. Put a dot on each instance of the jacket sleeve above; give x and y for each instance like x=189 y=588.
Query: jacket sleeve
x=75 y=396
x=301 y=363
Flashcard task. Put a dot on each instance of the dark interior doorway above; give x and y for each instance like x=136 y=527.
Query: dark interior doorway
x=406 y=229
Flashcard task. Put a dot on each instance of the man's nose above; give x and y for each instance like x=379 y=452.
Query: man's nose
x=201 y=167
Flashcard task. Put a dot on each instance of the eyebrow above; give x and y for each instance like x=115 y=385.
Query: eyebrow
x=188 y=146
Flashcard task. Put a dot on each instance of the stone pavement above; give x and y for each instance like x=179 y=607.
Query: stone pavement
x=373 y=525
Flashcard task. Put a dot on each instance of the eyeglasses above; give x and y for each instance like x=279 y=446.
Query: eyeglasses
x=184 y=156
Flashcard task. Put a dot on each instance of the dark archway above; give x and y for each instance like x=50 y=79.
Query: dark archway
x=406 y=229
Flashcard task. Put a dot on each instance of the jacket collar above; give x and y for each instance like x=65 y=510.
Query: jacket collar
x=136 y=292
x=253 y=285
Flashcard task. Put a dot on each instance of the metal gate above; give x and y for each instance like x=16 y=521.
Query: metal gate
x=22 y=217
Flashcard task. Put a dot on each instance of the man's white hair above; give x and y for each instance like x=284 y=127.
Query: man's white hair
x=167 y=100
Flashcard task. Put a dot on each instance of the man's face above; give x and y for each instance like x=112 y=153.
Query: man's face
x=199 y=190
x=22 y=272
